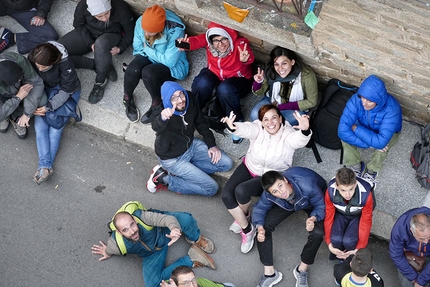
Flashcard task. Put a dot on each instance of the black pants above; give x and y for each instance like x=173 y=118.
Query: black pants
x=240 y=187
x=153 y=76
x=275 y=216
x=76 y=47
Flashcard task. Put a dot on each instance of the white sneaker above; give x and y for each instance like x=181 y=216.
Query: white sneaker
x=248 y=240
x=235 y=227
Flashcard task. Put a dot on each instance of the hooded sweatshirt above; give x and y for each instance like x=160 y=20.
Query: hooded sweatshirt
x=376 y=126
x=225 y=66
x=175 y=135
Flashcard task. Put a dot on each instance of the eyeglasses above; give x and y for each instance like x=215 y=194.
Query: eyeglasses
x=188 y=283
x=175 y=99
x=218 y=41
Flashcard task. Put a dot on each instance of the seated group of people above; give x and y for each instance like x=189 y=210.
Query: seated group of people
x=342 y=210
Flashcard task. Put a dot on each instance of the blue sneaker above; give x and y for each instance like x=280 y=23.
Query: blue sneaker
x=236 y=139
x=359 y=169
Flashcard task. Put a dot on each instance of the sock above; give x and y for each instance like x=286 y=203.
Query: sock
x=165 y=179
x=247 y=214
x=269 y=276
x=126 y=97
x=247 y=229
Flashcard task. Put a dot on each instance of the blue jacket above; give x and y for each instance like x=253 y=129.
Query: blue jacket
x=163 y=50
x=309 y=188
x=403 y=239
x=375 y=127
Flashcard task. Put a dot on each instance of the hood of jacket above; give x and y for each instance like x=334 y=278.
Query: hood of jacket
x=167 y=90
x=217 y=29
x=374 y=90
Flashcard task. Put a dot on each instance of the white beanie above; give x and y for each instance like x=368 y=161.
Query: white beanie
x=96 y=7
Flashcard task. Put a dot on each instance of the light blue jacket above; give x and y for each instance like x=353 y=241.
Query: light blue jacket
x=163 y=50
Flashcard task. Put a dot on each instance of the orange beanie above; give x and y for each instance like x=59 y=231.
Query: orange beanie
x=154 y=19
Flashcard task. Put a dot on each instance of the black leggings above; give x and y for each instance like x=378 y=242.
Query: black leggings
x=153 y=76
x=240 y=187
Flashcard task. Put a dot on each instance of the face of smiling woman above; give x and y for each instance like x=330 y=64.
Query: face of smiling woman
x=283 y=66
x=272 y=122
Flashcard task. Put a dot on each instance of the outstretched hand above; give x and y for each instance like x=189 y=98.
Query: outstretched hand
x=243 y=54
x=303 y=121
x=259 y=77
x=174 y=235
x=229 y=121
x=167 y=113
x=101 y=250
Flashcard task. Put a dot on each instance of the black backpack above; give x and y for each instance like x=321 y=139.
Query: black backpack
x=420 y=158
x=212 y=112
x=325 y=120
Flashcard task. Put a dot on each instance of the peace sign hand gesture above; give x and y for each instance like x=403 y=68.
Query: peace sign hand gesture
x=259 y=77
x=244 y=55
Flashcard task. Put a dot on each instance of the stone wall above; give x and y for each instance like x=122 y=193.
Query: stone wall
x=352 y=40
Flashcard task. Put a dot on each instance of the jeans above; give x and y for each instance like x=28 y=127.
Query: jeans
x=275 y=216
x=240 y=187
x=76 y=47
x=287 y=114
x=188 y=173
x=153 y=76
x=153 y=266
x=351 y=155
x=47 y=142
x=229 y=91
x=344 y=231
x=36 y=35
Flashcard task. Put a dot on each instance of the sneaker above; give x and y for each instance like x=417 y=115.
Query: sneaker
x=131 y=110
x=7 y=39
x=270 y=281
x=204 y=243
x=97 y=92
x=146 y=118
x=301 y=277
x=370 y=176
x=155 y=181
x=42 y=175
x=4 y=125
x=20 y=131
x=111 y=74
x=124 y=67
x=200 y=258
x=248 y=240
x=236 y=139
x=359 y=169
x=335 y=282
x=235 y=227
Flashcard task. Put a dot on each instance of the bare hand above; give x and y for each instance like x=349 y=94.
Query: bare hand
x=174 y=235
x=243 y=54
x=167 y=113
x=215 y=154
x=92 y=47
x=185 y=39
x=37 y=21
x=171 y=283
x=23 y=121
x=385 y=149
x=417 y=285
x=40 y=111
x=261 y=235
x=100 y=250
x=303 y=121
x=115 y=50
x=229 y=121
x=24 y=90
x=259 y=77
x=310 y=223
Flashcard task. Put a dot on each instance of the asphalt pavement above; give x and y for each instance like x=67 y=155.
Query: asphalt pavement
x=47 y=230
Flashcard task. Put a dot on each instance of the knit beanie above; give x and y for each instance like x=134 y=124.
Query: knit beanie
x=96 y=7
x=154 y=19
x=10 y=73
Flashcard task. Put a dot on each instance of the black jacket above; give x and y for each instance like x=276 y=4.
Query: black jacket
x=12 y=6
x=173 y=137
x=121 y=21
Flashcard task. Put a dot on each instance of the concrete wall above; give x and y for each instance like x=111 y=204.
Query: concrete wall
x=352 y=40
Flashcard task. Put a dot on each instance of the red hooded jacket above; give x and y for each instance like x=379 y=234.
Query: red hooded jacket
x=229 y=66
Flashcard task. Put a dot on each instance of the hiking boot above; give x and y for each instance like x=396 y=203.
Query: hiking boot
x=7 y=39
x=155 y=181
x=200 y=258
x=97 y=92
x=204 y=243
x=4 y=125
x=359 y=169
x=146 y=118
x=42 y=175
x=301 y=277
x=235 y=227
x=248 y=240
x=131 y=110
x=270 y=281
x=111 y=74
x=20 y=131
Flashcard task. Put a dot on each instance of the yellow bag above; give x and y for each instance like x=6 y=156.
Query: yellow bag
x=236 y=13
